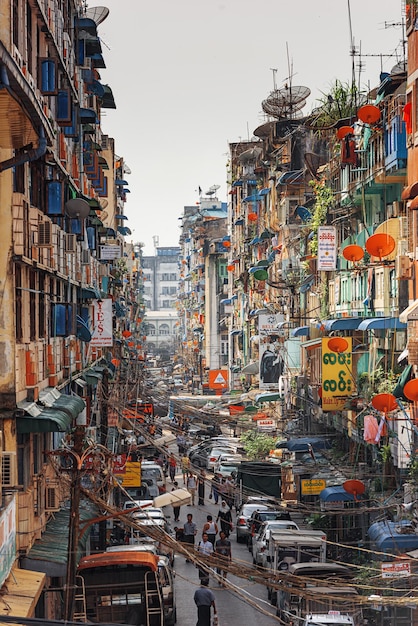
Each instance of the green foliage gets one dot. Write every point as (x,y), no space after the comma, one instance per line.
(339,103)
(324,199)
(257,445)
(379,381)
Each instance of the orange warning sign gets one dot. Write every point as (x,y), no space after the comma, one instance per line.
(218,379)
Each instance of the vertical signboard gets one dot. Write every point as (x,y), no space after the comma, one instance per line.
(327,248)
(103,324)
(337,378)
(271,364)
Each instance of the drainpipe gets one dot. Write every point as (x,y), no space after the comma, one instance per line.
(27,155)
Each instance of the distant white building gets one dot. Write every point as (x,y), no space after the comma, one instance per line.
(161,277)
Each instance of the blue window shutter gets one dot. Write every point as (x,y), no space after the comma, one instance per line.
(48,76)
(91,237)
(63,320)
(64,109)
(55,203)
(75,226)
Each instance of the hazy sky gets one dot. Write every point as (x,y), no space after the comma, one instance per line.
(189,76)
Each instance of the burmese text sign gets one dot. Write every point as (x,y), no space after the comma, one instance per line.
(337,378)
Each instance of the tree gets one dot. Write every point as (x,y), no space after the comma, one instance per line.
(257,445)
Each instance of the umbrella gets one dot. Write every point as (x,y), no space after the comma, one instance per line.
(178,497)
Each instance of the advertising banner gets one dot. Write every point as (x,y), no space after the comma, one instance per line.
(337,378)
(327,248)
(102,323)
(271,364)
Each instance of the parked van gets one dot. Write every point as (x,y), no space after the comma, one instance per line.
(155,471)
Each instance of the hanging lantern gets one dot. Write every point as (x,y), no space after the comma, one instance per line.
(344,131)
(380,245)
(226,243)
(126,333)
(353,253)
(338,344)
(131,344)
(138,320)
(369,114)
(115,362)
(230,268)
(252,217)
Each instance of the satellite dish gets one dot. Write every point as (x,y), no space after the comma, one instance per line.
(353,253)
(77,208)
(282,103)
(97,14)
(399,68)
(355,487)
(384,402)
(411,390)
(338,344)
(380,245)
(212,190)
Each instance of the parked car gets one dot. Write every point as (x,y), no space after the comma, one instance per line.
(257,518)
(260,541)
(244,513)
(199,456)
(215,454)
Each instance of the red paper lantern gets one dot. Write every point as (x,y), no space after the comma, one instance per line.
(126,333)
(252,217)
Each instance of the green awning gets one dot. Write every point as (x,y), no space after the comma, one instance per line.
(72,405)
(49,554)
(90,293)
(49,420)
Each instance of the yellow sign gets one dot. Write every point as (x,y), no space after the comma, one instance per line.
(312,487)
(337,378)
(132,475)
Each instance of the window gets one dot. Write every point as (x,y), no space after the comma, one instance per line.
(19,304)
(23,459)
(166,304)
(16,22)
(151,330)
(164,329)
(32,304)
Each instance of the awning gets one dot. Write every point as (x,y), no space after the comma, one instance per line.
(300,331)
(304,444)
(264,192)
(410,313)
(178,497)
(90,293)
(88,116)
(53,399)
(336,494)
(251,368)
(267,396)
(409,192)
(119,216)
(49,553)
(235,332)
(107,101)
(46,421)
(21,592)
(343,323)
(381,323)
(252,198)
(120,182)
(124,230)
(291,177)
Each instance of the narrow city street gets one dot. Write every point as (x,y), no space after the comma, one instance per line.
(231,609)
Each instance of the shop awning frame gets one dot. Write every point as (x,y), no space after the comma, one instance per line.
(342,323)
(382,323)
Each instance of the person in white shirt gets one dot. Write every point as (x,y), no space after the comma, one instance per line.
(205,549)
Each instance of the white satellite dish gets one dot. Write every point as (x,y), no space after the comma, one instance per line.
(212,190)
(97,14)
(77,208)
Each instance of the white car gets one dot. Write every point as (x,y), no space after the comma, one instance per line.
(260,541)
(215,454)
(227,459)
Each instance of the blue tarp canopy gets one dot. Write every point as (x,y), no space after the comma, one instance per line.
(300,331)
(343,323)
(386,537)
(303,444)
(336,494)
(381,323)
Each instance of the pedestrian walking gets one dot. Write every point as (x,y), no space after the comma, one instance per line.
(205,549)
(185,466)
(225,517)
(201,488)
(215,488)
(189,531)
(191,486)
(204,600)
(172,465)
(211,528)
(223,550)
(176,509)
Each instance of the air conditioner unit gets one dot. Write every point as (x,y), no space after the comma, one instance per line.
(45,234)
(8,470)
(70,243)
(403,267)
(403,228)
(85,257)
(52,500)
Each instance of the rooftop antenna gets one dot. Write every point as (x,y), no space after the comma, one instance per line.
(156,241)
(274,71)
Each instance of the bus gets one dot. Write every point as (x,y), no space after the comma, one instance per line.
(121,587)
